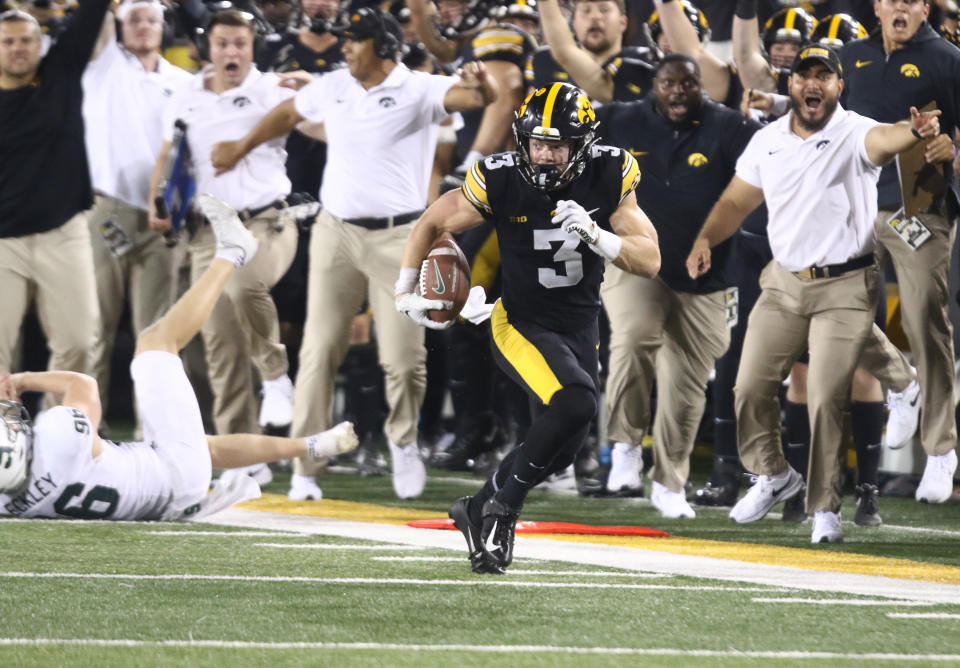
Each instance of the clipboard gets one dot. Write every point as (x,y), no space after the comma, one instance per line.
(921,183)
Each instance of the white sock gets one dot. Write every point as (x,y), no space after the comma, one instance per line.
(322,445)
(233,254)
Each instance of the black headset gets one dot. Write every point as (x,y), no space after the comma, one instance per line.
(385,42)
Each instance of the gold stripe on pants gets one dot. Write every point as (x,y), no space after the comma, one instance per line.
(833,317)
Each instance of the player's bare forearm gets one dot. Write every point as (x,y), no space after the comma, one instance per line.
(754,70)
(450,213)
(498,116)
(421,18)
(582,68)
(77,389)
(683,39)
(640,248)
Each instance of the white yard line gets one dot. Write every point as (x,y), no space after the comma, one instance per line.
(922,615)
(322,546)
(609,556)
(840,601)
(229,534)
(486,649)
(486,581)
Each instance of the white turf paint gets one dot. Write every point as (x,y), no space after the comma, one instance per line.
(320,546)
(922,615)
(608,556)
(486,649)
(840,601)
(229,534)
(493,582)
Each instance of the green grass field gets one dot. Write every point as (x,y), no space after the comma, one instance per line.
(146,594)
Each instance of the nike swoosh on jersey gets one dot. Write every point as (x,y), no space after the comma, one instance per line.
(862,63)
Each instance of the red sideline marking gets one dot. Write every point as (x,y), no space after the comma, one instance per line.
(556,527)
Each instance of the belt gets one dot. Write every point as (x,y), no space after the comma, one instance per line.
(383,223)
(834,270)
(250,214)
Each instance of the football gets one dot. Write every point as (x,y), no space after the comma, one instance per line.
(445,274)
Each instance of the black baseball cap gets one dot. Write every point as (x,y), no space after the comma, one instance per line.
(820,54)
(368,23)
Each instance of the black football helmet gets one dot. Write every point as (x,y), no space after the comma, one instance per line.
(788,25)
(696,17)
(476,15)
(526,9)
(836,30)
(560,112)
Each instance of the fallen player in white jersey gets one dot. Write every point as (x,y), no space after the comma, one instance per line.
(61,468)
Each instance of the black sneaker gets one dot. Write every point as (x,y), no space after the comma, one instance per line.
(482,435)
(499,526)
(868,511)
(795,508)
(722,494)
(479,561)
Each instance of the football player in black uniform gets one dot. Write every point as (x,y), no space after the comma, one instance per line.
(562,207)
(624,73)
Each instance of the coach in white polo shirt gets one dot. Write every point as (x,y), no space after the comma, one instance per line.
(817,169)
(224,101)
(126,86)
(381,124)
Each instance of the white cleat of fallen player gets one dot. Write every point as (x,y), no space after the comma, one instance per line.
(235,243)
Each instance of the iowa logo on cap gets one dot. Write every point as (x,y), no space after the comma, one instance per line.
(814,51)
(697,160)
(910,71)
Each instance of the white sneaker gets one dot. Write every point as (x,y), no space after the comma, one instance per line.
(904,410)
(826,527)
(936,486)
(259,472)
(765,493)
(304,488)
(276,409)
(409,473)
(563,482)
(626,465)
(671,505)
(234,240)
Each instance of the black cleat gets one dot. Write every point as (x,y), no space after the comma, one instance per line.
(482,435)
(717,494)
(868,510)
(499,527)
(479,561)
(795,508)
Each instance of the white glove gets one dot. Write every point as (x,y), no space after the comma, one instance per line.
(414,306)
(299,212)
(574,219)
(476,309)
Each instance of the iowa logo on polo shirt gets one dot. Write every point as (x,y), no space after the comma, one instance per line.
(697,160)
(910,71)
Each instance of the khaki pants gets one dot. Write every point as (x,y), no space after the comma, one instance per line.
(55,268)
(243,326)
(834,318)
(349,263)
(145,274)
(676,335)
(922,275)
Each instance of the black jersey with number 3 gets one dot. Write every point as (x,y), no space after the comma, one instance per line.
(550,278)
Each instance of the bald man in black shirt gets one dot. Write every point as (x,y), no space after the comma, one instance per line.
(45,186)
